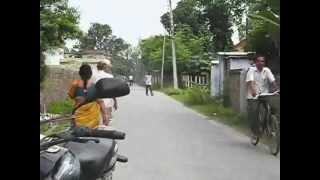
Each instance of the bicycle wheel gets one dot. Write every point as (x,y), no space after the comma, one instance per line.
(274,135)
(262,115)
(260,121)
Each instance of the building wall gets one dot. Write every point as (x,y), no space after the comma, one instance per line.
(57,85)
(93,56)
(237,90)
(233,89)
(239,63)
(215,80)
(53,57)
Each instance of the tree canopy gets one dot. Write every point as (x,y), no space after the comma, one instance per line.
(264,30)
(190,54)
(205,27)
(100,37)
(58,22)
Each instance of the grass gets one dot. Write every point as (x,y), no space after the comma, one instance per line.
(56,128)
(199,100)
(59,107)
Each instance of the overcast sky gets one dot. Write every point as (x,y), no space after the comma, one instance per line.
(129,19)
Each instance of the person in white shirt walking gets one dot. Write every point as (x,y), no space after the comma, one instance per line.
(148,83)
(104,71)
(258,79)
(131,80)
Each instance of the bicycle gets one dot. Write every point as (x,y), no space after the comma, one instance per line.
(269,121)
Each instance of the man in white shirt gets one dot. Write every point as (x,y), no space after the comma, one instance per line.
(148,83)
(258,79)
(104,71)
(131,80)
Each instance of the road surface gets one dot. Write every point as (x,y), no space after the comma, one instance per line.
(167,141)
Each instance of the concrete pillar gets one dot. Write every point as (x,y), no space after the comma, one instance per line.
(215,79)
(243,91)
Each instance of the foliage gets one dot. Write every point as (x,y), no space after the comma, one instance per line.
(260,41)
(185,13)
(211,18)
(172,91)
(190,54)
(202,27)
(264,35)
(60,107)
(197,95)
(99,37)
(45,129)
(58,22)
(191,96)
(209,107)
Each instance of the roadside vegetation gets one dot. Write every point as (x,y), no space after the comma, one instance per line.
(199,99)
(61,108)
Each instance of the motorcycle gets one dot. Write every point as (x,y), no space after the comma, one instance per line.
(83,153)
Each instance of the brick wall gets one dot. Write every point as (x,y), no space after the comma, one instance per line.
(233,90)
(56,85)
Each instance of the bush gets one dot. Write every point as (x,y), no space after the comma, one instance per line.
(197,95)
(156,87)
(60,107)
(171,91)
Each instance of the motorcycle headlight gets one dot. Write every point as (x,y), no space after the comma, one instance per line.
(68,168)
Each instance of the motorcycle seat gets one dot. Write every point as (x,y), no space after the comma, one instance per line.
(93,157)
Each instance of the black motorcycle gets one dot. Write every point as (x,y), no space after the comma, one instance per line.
(83,153)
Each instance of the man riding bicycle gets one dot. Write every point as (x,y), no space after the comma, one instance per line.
(258,79)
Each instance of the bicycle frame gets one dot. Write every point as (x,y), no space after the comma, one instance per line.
(267,116)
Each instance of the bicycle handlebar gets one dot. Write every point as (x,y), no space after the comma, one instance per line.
(268,94)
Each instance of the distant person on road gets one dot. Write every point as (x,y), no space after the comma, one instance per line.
(258,79)
(89,114)
(104,71)
(148,83)
(130,80)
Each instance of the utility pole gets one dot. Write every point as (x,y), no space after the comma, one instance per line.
(174,65)
(163,53)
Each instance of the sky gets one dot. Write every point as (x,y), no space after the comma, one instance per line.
(129,19)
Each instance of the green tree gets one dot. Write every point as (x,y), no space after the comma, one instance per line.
(100,37)
(186,13)
(97,37)
(264,32)
(208,19)
(218,16)
(189,52)
(58,22)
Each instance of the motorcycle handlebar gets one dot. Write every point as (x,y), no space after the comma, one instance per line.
(86,132)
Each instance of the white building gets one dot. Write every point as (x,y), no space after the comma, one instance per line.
(54,56)
(226,61)
(228,78)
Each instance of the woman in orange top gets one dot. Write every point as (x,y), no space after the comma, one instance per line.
(89,114)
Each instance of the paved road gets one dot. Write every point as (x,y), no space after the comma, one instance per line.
(167,141)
